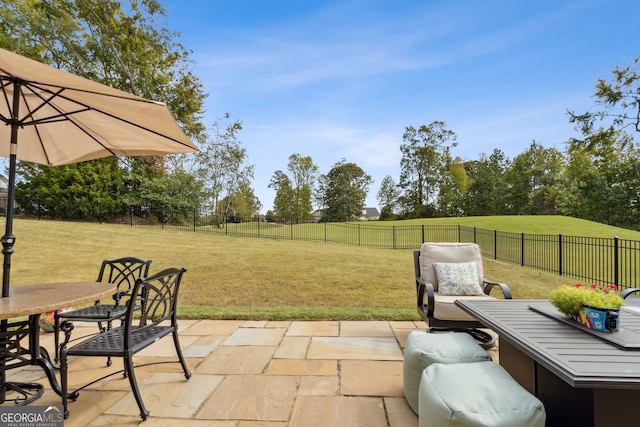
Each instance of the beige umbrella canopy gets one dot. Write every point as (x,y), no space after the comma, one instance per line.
(55,118)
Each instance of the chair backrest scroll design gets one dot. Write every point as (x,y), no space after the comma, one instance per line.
(157,297)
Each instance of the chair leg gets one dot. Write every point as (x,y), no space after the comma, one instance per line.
(176,341)
(128,364)
(63,382)
(108,327)
(56,337)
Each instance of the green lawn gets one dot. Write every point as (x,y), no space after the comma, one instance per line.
(252,278)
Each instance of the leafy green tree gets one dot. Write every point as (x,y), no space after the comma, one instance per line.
(619,108)
(87,190)
(243,204)
(486,187)
(304,174)
(174,197)
(342,192)
(531,179)
(601,182)
(294,191)
(453,189)
(119,43)
(425,159)
(388,195)
(221,165)
(284,202)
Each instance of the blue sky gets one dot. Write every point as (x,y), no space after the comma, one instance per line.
(343,79)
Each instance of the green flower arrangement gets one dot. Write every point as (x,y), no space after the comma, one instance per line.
(569,299)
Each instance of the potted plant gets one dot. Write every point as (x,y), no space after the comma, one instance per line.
(596,307)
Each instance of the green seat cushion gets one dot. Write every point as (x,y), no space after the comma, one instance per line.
(476,394)
(423,349)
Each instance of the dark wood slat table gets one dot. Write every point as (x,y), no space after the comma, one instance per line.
(581,378)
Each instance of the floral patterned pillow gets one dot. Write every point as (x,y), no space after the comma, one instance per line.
(458,278)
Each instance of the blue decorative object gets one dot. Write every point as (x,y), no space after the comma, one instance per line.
(599,319)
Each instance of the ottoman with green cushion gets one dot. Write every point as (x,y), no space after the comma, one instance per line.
(423,349)
(475,394)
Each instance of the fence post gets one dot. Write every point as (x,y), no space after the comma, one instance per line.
(495,244)
(393,236)
(358,234)
(560,255)
(475,238)
(459,233)
(616,243)
(422,232)
(522,249)
(194,220)
(131,215)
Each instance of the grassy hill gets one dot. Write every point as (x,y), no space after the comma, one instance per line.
(530,224)
(261,278)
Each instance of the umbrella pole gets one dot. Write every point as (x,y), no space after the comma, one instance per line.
(9,239)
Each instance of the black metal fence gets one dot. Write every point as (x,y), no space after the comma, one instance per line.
(587,259)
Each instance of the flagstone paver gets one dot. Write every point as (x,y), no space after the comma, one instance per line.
(251,397)
(371,378)
(354,348)
(338,411)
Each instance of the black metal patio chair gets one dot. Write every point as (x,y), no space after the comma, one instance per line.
(157,298)
(123,272)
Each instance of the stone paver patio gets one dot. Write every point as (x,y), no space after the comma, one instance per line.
(251,374)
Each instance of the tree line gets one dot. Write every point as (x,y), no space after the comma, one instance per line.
(127,45)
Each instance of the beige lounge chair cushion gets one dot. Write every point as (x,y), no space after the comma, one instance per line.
(444,306)
(448,253)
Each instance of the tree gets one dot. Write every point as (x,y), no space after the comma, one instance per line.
(619,100)
(453,189)
(118,43)
(221,166)
(304,174)
(531,179)
(284,202)
(425,158)
(242,205)
(388,195)
(86,190)
(601,182)
(342,192)
(293,193)
(174,197)
(487,190)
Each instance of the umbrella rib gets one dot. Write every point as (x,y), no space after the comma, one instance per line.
(46,101)
(6,100)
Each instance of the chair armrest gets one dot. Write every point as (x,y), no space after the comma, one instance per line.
(627,292)
(421,287)
(489,285)
(118,296)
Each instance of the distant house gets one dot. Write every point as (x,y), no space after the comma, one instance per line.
(370,214)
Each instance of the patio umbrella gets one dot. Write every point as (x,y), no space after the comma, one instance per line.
(54,118)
